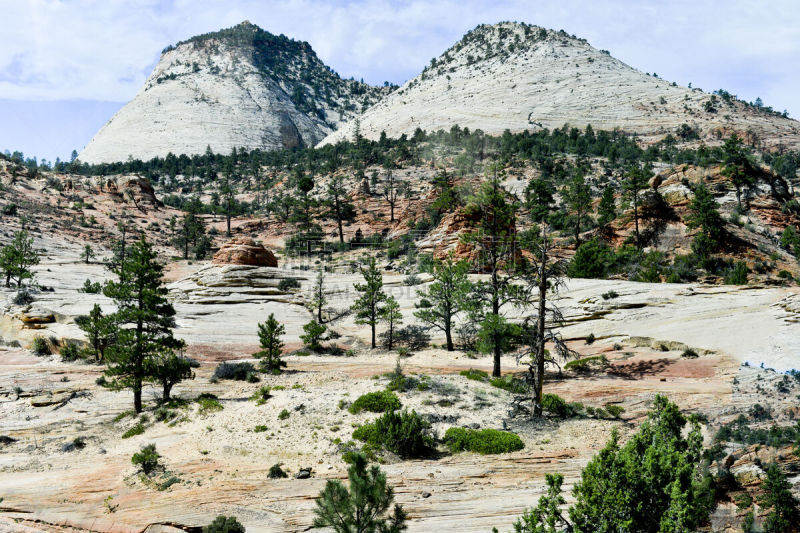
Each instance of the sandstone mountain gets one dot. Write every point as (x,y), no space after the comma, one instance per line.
(238,87)
(522,77)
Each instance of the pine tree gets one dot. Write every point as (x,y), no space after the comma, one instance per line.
(87,254)
(318,298)
(392,316)
(339,206)
(363,508)
(703,214)
(495,241)
(314,332)
(98,330)
(578,197)
(778,498)
(539,198)
(606,209)
(227,190)
(545,277)
(652,484)
(17,258)
(302,215)
(637,181)
(368,306)
(546,517)
(269,336)
(143,321)
(391,193)
(736,165)
(168,369)
(447,295)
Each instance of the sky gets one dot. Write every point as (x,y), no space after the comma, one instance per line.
(66,66)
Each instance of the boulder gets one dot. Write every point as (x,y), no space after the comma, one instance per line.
(141,193)
(244,251)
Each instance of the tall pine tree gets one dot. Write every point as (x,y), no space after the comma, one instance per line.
(143,321)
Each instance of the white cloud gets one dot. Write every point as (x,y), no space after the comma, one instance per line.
(104,49)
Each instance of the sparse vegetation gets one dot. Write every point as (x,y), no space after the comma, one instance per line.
(146,459)
(276,472)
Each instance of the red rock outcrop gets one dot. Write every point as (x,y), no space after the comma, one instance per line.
(244,251)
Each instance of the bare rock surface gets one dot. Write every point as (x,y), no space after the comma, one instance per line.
(518,77)
(236,88)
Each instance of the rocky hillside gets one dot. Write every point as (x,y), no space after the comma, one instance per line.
(239,87)
(517,76)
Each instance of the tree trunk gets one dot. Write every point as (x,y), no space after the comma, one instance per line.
(228,219)
(496,311)
(537,408)
(636,221)
(167,390)
(391,211)
(373,335)
(448,335)
(137,395)
(390,336)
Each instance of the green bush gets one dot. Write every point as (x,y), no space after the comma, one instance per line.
(689,353)
(284,414)
(146,459)
(585,364)
(288,283)
(376,402)
(224,524)
(39,346)
(614,411)
(138,429)
(737,275)
(235,371)
(314,333)
(261,428)
(261,395)
(592,259)
(70,352)
(91,288)
(276,472)
(208,403)
(402,432)
(509,383)
(654,482)
(557,406)
(483,441)
(475,374)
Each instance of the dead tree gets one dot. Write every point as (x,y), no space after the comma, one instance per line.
(546,277)
(391,192)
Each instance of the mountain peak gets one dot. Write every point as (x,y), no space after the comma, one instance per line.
(239,87)
(515,76)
